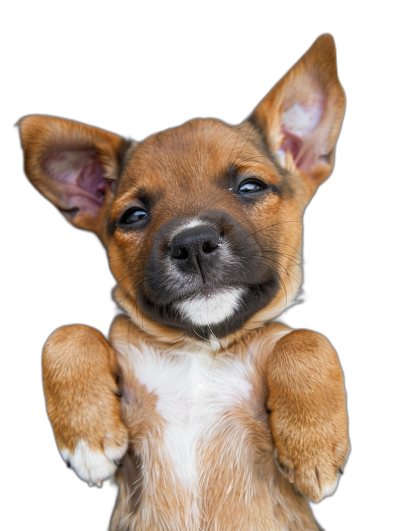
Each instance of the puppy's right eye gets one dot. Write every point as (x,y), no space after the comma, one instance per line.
(131,216)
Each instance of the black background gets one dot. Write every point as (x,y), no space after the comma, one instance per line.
(130,75)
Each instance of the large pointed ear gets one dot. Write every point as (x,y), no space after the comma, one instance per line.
(72,164)
(302,115)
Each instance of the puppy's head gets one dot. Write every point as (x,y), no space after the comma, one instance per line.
(203,222)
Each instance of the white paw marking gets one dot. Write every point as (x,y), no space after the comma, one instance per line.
(203,310)
(93,466)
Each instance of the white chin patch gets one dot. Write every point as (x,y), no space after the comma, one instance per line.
(203,310)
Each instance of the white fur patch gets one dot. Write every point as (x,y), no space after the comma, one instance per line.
(195,391)
(301,119)
(188,224)
(327,490)
(203,310)
(281,156)
(193,223)
(90,465)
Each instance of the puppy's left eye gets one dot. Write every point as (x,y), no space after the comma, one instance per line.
(132,215)
(251,186)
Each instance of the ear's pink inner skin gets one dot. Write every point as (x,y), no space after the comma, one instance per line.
(301,129)
(80,178)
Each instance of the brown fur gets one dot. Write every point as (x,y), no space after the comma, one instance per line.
(79,360)
(289,440)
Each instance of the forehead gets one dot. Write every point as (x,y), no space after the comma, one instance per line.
(185,155)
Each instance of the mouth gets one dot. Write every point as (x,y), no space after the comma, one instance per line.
(216,311)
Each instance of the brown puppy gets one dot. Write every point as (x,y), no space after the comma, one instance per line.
(219,418)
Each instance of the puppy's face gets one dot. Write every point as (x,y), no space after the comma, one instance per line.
(205,228)
(202,222)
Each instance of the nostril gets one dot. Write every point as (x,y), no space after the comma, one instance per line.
(208,247)
(180,253)
(194,244)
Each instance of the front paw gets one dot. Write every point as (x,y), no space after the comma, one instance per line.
(94,465)
(96,439)
(83,402)
(308,416)
(315,472)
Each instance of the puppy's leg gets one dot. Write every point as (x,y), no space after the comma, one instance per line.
(308,416)
(82,399)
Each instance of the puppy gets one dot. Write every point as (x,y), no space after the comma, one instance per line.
(209,415)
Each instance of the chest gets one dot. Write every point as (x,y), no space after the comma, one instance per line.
(191,385)
(188,385)
(183,403)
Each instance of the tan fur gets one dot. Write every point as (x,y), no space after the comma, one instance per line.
(282,437)
(306,390)
(79,369)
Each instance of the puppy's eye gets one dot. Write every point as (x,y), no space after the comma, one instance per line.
(251,186)
(132,215)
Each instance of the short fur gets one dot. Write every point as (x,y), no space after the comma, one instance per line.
(210,415)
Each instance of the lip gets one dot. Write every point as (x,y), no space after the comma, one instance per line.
(206,292)
(210,292)
(252,298)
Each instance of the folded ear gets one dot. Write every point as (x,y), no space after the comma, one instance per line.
(71,164)
(303,113)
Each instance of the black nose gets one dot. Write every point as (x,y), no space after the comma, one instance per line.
(193,249)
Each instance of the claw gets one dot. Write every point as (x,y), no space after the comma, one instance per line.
(99,483)
(118,463)
(68,464)
(117,393)
(287,469)
(340,471)
(90,484)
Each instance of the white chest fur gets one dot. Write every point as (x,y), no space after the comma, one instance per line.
(196,393)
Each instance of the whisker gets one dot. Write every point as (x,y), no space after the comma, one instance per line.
(245,144)
(127,257)
(234,145)
(198,335)
(287,245)
(280,254)
(254,158)
(274,225)
(130,274)
(283,267)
